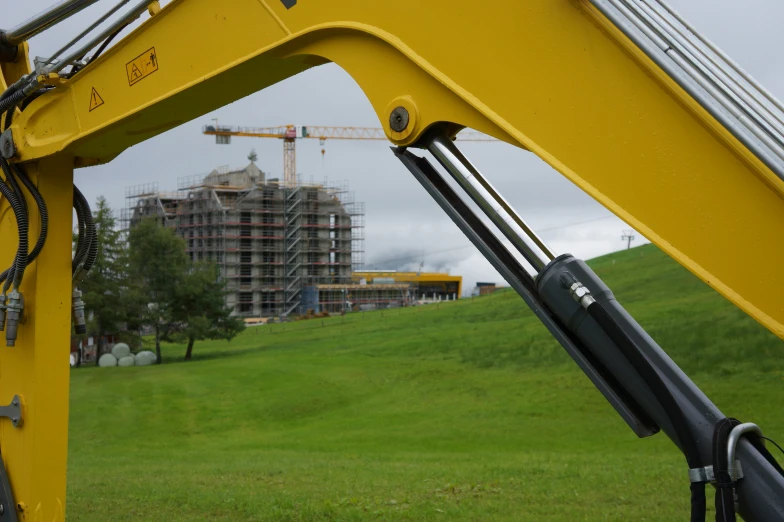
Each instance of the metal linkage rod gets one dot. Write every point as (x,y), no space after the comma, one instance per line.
(490,201)
(622,14)
(720,69)
(42,21)
(721,54)
(706,75)
(92,26)
(77,54)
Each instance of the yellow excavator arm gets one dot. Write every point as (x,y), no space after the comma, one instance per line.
(555,77)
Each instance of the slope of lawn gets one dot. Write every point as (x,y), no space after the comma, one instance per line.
(462,411)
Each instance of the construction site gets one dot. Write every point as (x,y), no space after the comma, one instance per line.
(283,248)
(270,239)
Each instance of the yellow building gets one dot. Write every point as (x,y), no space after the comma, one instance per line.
(431,284)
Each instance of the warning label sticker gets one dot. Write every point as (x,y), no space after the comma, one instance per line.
(95,100)
(142,66)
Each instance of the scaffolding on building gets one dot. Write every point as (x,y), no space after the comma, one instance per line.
(269,240)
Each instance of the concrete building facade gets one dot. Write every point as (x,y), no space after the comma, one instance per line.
(270,241)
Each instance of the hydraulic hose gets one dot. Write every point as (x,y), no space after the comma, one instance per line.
(92,250)
(12,101)
(21,219)
(22,255)
(87,245)
(10,91)
(86,254)
(42,211)
(12,304)
(654,381)
(83,241)
(9,116)
(44,216)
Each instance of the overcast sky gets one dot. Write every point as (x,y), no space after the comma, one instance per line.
(403,225)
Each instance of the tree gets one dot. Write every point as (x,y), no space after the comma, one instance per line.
(104,285)
(200,310)
(180,299)
(252,157)
(156,264)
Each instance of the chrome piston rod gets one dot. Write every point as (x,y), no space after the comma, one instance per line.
(491,202)
(42,21)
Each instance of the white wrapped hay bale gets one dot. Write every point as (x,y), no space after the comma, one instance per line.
(145,358)
(106,360)
(128,360)
(121,350)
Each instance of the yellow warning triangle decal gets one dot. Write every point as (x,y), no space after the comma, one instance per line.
(95,100)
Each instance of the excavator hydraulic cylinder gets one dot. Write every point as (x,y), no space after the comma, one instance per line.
(762,487)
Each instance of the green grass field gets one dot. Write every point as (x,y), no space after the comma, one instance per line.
(465,411)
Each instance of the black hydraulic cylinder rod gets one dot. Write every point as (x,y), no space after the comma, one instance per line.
(761,491)
(654,382)
(519,279)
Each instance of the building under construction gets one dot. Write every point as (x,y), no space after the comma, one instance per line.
(269,240)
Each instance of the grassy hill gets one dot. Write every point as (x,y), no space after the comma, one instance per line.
(462,411)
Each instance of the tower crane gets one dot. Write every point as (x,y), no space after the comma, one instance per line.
(291,133)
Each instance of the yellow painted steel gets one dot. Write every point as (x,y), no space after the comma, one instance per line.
(37,367)
(550,76)
(412,277)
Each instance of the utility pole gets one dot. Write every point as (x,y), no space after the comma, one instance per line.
(628,236)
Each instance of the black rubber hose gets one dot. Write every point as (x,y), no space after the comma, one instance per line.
(81,238)
(668,403)
(90,245)
(92,251)
(699,504)
(106,43)
(43,212)
(725,486)
(23,226)
(9,117)
(30,99)
(20,263)
(13,89)
(82,244)
(10,178)
(44,215)
(21,220)
(12,101)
